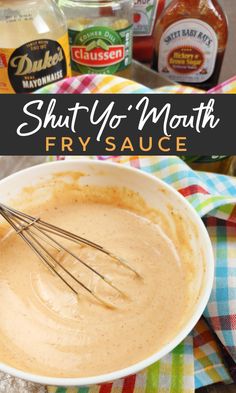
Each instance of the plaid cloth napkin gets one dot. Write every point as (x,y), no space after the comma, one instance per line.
(227,87)
(197,361)
(94,84)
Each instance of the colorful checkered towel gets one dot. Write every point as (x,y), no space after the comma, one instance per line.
(227,87)
(198,360)
(94,84)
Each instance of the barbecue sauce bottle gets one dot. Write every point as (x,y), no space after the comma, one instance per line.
(190,42)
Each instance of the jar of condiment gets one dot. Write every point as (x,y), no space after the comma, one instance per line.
(217,164)
(146,13)
(34,46)
(101,35)
(190,42)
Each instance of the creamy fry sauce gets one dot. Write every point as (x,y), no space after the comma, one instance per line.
(45,329)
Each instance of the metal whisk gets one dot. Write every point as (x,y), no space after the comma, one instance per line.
(36,233)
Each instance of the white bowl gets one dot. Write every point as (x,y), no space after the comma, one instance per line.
(158,195)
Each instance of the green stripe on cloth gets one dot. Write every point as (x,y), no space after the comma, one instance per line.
(83,390)
(177,370)
(211,203)
(211,369)
(61,390)
(152,382)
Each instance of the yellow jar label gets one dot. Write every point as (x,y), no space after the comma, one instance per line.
(34,65)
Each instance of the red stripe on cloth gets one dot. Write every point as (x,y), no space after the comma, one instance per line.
(210,221)
(202,339)
(217,222)
(135,162)
(85,82)
(129,384)
(233,215)
(225,322)
(231,228)
(106,388)
(193,189)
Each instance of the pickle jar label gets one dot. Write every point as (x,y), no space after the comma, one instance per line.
(33,65)
(100,50)
(188,51)
(144,16)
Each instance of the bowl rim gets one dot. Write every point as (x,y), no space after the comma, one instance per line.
(186,329)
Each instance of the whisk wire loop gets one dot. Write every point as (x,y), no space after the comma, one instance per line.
(32,229)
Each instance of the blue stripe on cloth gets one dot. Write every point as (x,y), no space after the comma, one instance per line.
(219,183)
(202,379)
(222,294)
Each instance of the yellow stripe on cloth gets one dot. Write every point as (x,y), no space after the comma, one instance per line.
(106,80)
(121,86)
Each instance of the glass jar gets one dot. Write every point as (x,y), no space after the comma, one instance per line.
(100,34)
(217,164)
(34,45)
(190,42)
(146,13)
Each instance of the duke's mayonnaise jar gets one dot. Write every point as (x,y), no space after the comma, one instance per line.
(34,46)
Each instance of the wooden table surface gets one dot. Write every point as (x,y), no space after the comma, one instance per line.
(229,65)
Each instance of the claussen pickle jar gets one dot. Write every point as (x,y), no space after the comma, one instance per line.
(100,34)
(34,45)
